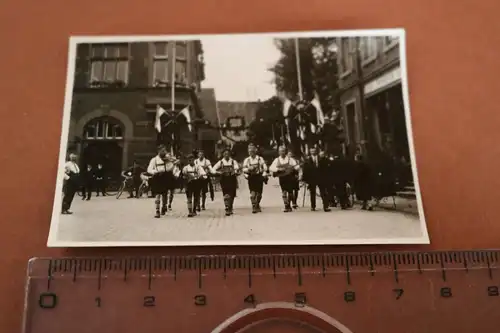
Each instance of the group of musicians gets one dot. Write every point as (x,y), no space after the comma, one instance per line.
(326,174)
(315,170)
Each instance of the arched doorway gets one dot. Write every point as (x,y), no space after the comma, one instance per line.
(103,143)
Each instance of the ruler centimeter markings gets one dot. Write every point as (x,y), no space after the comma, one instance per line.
(211,289)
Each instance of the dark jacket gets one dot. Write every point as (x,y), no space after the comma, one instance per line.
(313,174)
(342,171)
(99,174)
(88,176)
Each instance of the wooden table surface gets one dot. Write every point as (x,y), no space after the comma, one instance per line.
(453,64)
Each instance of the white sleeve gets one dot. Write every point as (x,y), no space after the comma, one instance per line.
(245,164)
(274,166)
(152,166)
(236,165)
(216,166)
(202,171)
(263,164)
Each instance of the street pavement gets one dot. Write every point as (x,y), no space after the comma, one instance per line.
(131,221)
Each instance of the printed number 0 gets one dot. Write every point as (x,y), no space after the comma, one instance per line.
(47,300)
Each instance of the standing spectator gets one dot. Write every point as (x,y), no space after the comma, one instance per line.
(72,179)
(100,180)
(88,182)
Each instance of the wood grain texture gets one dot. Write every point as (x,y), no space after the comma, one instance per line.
(453,67)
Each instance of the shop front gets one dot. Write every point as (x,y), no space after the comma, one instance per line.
(385,123)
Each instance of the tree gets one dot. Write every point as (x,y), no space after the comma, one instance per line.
(318,69)
(267,123)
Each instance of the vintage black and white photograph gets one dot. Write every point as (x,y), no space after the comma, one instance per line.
(238,139)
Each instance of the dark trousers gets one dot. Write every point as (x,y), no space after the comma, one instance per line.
(287,184)
(100,187)
(341,192)
(322,192)
(205,185)
(87,190)
(193,194)
(256,187)
(134,187)
(228,185)
(69,193)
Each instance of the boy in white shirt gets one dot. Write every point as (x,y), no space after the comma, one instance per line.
(193,175)
(205,183)
(228,169)
(285,168)
(255,170)
(165,174)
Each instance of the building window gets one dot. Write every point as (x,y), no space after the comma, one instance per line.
(181,50)
(390,42)
(102,129)
(160,62)
(346,63)
(180,71)
(368,49)
(109,64)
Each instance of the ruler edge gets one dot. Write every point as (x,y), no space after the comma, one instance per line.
(488,254)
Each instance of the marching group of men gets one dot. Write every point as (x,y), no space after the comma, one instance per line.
(328,175)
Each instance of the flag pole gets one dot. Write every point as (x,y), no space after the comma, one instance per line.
(299,83)
(172,99)
(299,74)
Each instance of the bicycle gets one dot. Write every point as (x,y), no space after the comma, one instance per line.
(144,188)
(124,185)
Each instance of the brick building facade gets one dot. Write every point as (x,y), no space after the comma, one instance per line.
(371,97)
(117,88)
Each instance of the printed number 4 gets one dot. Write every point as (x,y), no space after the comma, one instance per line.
(399,293)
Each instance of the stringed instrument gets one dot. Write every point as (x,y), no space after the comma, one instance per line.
(192,175)
(284,169)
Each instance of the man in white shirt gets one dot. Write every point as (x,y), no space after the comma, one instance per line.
(255,170)
(205,183)
(72,183)
(227,169)
(165,173)
(194,175)
(285,168)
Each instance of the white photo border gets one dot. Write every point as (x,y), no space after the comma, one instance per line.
(70,76)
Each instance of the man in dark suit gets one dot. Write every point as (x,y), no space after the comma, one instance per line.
(88,182)
(314,174)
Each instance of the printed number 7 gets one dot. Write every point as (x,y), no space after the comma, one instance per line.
(399,293)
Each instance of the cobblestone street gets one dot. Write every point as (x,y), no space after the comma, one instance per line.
(106,219)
